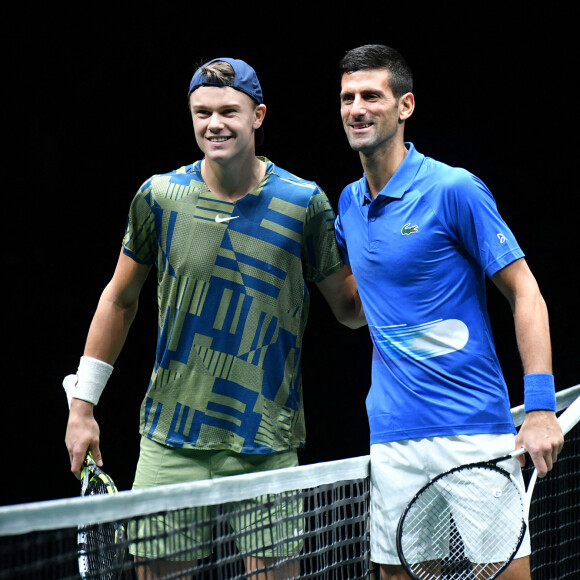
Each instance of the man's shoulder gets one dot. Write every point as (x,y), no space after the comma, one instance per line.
(443,170)
(440,178)
(351,191)
(182,176)
(288,178)
(185,172)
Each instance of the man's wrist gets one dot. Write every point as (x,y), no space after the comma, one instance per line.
(89,382)
(539,392)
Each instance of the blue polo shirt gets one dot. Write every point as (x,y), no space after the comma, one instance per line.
(420,252)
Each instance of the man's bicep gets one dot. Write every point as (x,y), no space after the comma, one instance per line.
(128,280)
(515,280)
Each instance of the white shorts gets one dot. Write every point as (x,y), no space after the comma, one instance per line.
(399,469)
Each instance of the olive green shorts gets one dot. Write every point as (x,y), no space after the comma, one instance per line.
(264,526)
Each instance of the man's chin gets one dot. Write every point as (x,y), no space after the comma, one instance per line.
(359,145)
(216,154)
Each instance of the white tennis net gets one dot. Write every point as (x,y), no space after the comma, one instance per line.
(311,519)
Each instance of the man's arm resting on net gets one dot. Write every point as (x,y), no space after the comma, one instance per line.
(540,432)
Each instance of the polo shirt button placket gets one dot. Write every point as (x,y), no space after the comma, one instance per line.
(372,241)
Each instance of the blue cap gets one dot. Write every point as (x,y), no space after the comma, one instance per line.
(245,79)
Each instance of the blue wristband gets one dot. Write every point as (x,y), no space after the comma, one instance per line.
(539,392)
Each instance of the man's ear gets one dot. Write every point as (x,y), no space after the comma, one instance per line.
(406,106)
(260,113)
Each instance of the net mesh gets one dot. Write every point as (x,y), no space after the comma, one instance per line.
(303,522)
(554,517)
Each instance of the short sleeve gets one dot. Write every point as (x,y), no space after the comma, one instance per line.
(140,241)
(477,224)
(321,256)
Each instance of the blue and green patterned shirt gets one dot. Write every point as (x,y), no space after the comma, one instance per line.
(233,304)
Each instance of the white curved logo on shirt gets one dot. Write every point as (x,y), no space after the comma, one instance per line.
(219,219)
(422,341)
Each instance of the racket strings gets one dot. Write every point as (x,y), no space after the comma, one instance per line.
(97,551)
(467,523)
(101,546)
(99,485)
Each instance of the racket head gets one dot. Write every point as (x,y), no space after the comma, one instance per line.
(94,481)
(101,546)
(470,518)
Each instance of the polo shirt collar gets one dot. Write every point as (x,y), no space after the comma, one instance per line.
(403,178)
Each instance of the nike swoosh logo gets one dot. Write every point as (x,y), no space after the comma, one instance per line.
(219,219)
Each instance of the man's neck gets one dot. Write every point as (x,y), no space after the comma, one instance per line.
(233,180)
(381,165)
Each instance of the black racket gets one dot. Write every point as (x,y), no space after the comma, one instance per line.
(469,522)
(101,547)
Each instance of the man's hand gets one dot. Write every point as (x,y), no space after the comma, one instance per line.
(541,435)
(82,434)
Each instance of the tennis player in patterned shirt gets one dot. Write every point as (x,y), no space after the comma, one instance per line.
(235,241)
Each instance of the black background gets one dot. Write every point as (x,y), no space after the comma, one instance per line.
(96,103)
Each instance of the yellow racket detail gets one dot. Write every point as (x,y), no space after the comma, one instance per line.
(101,547)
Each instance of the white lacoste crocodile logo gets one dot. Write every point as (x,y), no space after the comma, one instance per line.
(219,219)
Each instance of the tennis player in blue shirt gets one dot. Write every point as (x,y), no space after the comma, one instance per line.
(421,237)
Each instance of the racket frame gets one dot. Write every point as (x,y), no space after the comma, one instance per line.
(491,464)
(568,419)
(89,473)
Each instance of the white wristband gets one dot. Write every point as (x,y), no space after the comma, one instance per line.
(89,382)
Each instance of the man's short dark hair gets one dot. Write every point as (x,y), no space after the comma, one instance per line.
(377,56)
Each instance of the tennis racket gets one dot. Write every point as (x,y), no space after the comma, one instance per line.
(469,522)
(101,547)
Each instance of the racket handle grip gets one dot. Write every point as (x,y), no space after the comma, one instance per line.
(518,452)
